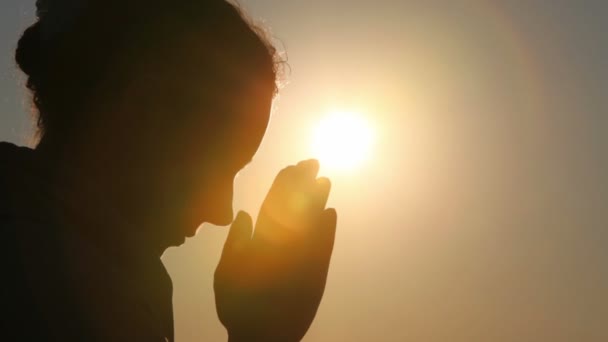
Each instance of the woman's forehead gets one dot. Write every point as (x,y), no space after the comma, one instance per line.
(246,133)
(233,136)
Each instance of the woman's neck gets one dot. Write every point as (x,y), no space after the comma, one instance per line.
(94,196)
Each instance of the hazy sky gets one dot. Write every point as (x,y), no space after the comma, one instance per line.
(482,214)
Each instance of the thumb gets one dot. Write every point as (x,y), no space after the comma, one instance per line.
(238,236)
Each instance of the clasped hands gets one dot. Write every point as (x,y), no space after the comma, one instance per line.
(270,280)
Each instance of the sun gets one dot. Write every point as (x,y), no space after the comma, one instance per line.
(342,140)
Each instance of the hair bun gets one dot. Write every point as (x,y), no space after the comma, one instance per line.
(29,51)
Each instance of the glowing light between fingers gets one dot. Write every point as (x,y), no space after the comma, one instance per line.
(342,140)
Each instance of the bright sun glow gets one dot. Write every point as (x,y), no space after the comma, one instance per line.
(342,140)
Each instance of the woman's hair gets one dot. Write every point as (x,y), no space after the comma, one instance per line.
(83,53)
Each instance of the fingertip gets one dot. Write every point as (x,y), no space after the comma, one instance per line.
(243,217)
(331,214)
(239,234)
(285,172)
(330,218)
(310,165)
(242,226)
(309,162)
(328,231)
(321,193)
(324,183)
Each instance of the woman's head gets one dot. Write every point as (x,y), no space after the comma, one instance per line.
(175,95)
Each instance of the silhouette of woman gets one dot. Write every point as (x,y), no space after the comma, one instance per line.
(146,111)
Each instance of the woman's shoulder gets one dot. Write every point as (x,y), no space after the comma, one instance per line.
(56,279)
(31,282)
